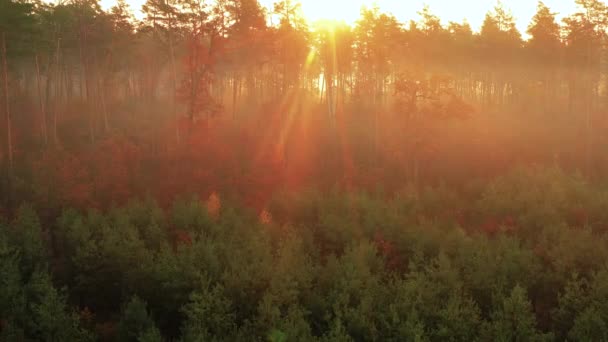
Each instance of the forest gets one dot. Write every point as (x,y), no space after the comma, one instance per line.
(221,170)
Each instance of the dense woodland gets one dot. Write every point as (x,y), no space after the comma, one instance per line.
(222,171)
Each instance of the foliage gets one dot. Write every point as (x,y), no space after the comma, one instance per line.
(363,188)
(343,266)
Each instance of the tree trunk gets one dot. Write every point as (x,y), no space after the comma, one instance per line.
(104,108)
(234,95)
(174,72)
(9,136)
(58,88)
(84,80)
(101,90)
(331,100)
(41,104)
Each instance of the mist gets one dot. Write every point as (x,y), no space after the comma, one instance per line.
(227,171)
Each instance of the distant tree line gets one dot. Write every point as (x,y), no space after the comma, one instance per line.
(202,54)
(73,77)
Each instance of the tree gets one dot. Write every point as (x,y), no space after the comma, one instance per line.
(136,324)
(545,51)
(163,16)
(585,32)
(376,35)
(209,316)
(582,313)
(544,31)
(514,320)
(52,321)
(202,52)
(246,45)
(30,306)
(292,42)
(290,13)
(419,107)
(26,232)
(335,48)
(434,41)
(16,23)
(500,44)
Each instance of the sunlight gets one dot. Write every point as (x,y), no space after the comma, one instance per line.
(347,11)
(448,10)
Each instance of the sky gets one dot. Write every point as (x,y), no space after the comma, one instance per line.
(448,10)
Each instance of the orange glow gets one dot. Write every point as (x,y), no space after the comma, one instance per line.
(347,11)
(448,10)
(473,11)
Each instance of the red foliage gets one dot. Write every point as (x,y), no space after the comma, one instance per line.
(491,227)
(74,181)
(578,217)
(182,238)
(87,318)
(106,331)
(387,250)
(214,205)
(116,166)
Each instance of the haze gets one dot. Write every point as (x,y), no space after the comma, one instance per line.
(472,10)
(318,173)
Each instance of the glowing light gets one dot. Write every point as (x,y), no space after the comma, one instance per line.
(348,11)
(473,11)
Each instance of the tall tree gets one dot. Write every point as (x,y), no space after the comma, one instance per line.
(585,36)
(500,50)
(292,42)
(377,43)
(163,16)
(335,48)
(16,26)
(545,52)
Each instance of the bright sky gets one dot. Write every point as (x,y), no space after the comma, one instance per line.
(448,10)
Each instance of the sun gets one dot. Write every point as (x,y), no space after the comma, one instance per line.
(347,11)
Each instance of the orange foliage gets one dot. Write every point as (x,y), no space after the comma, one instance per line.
(265,218)
(86,315)
(106,331)
(182,238)
(214,205)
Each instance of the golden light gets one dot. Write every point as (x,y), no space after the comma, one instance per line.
(473,11)
(347,11)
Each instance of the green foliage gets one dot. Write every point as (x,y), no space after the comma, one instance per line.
(514,320)
(582,313)
(31,308)
(209,316)
(136,324)
(18,25)
(50,321)
(346,267)
(26,232)
(277,336)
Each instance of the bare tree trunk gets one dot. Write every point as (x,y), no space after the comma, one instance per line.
(56,109)
(84,80)
(41,103)
(174,71)
(331,100)
(588,125)
(9,136)
(234,95)
(104,108)
(101,90)
(322,89)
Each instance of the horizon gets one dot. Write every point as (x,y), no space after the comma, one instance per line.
(472,11)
